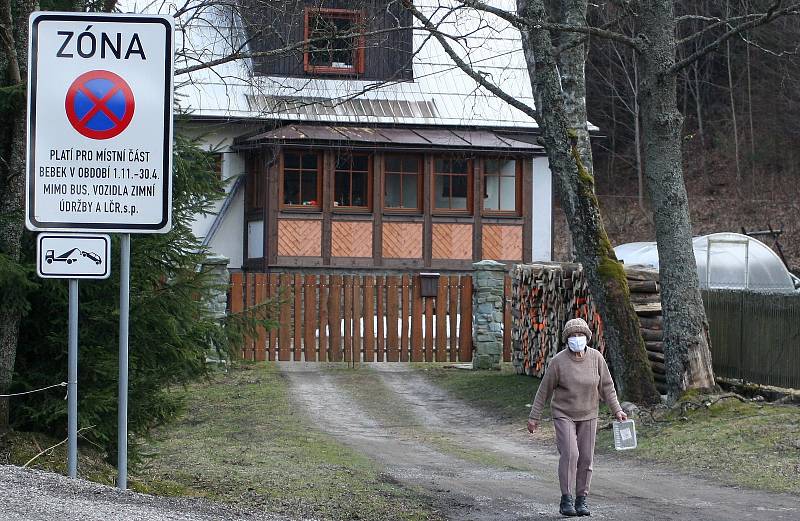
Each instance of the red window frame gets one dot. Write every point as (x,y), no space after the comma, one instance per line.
(358,53)
(349,172)
(313,207)
(418,173)
(469,179)
(517,211)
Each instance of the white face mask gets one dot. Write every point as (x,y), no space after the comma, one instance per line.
(576,343)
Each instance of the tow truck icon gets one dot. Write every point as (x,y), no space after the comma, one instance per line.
(71,256)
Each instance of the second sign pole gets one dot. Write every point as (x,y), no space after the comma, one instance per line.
(124,313)
(72,381)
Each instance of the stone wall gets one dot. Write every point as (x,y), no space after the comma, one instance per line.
(487,308)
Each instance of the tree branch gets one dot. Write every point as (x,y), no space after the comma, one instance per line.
(522,22)
(772,14)
(472,73)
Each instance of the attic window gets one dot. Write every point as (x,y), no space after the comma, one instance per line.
(336,41)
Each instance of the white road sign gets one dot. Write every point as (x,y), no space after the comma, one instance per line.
(99,122)
(72,256)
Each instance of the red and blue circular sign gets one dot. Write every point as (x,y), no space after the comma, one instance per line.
(99,104)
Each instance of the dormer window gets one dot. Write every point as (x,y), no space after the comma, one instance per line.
(336,41)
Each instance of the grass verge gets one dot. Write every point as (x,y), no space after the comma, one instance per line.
(242,440)
(748,444)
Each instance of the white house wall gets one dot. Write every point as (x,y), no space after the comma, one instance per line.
(218,137)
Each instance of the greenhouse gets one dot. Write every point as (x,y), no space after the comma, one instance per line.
(724,261)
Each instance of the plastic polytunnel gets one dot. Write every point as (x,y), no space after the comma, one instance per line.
(724,261)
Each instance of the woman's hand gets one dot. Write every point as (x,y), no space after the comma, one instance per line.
(621,416)
(532,426)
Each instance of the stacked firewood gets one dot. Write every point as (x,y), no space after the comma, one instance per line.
(646,300)
(545,296)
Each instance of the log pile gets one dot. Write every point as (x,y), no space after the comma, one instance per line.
(646,300)
(545,296)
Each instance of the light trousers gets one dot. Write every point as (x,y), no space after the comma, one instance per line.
(575,441)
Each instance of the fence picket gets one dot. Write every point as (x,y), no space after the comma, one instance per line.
(416,321)
(335,318)
(369,318)
(324,347)
(237,297)
(381,344)
(272,293)
(453,314)
(297,317)
(348,318)
(405,310)
(284,333)
(428,329)
(250,344)
(392,342)
(441,320)
(358,331)
(310,318)
(261,297)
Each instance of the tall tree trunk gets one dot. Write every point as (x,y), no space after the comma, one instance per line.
(733,108)
(575,186)
(572,69)
(14,22)
(686,340)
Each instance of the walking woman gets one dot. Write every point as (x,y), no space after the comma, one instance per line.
(576,379)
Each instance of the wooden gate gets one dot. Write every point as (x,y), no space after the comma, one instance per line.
(335,318)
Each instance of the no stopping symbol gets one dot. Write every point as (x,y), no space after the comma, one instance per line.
(99,104)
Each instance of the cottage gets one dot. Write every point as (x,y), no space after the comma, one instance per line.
(365,147)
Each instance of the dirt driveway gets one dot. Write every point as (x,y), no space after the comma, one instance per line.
(482,470)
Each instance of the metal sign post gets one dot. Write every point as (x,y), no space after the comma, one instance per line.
(124,312)
(73,257)
(99,154)
(72,382)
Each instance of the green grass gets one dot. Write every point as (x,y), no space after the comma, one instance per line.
(22,447)
(241,440)
(503,393)
(748,444)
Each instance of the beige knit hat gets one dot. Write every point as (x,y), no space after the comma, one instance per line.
(576,325)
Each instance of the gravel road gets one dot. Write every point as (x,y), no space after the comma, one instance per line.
(402,426)
(32,495)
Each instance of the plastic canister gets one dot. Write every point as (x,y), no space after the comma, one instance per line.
(624,435)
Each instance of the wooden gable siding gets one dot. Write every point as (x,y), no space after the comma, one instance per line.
(276,25)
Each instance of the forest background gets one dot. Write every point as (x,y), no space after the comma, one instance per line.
(741,106)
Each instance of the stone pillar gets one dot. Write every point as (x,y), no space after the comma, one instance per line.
(487,306)
(217,268)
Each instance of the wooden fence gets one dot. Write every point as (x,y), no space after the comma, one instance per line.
(755,336)
(359,317)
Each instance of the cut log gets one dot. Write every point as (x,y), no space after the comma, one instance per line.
(652,335)
(648,310)
(658,347)
(643,286)
(645,298)
(655,357)
(658,368)
(660,378)
(641,273)
(652,322)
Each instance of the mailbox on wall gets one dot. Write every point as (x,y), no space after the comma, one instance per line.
(429,284)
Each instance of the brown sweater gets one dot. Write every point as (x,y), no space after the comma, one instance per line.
(576,385)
